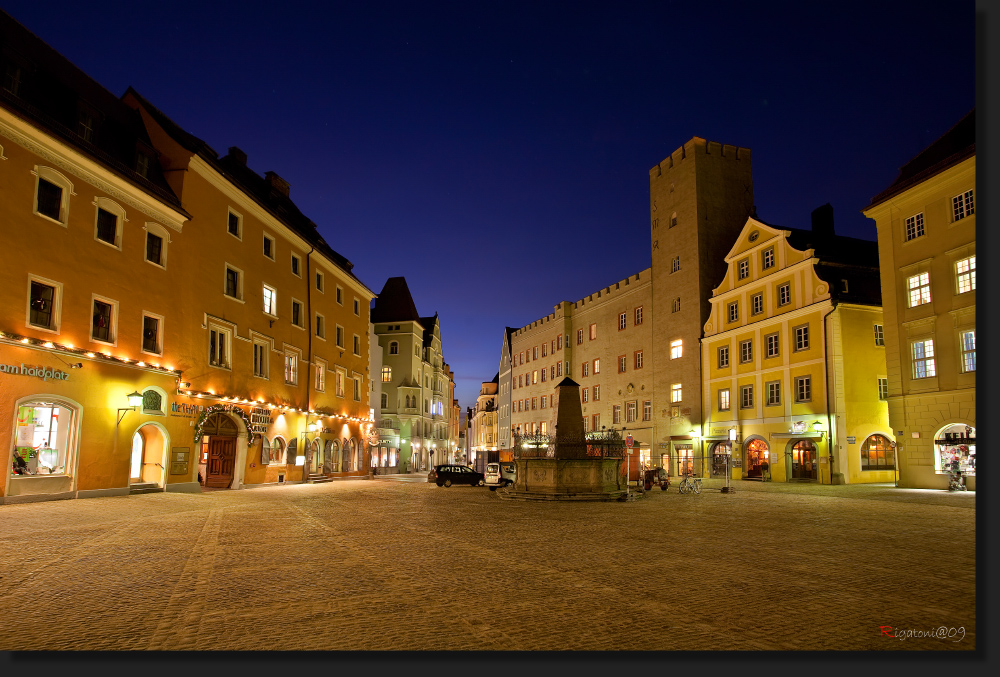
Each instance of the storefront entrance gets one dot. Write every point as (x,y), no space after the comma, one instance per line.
(219,450)
(955,450)
(147,462)
(804,460)
(720,458)
(756,459)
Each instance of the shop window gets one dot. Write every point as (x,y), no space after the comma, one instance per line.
(955,447)
(877,453)
(42,438)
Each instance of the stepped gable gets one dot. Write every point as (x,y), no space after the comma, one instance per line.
(395,303)
(955,145)
(52,93)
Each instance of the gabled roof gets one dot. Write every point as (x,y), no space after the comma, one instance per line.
(957,144)
(395,303)
(52,94)
(428,324)
(256,187)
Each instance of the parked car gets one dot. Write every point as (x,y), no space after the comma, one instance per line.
(508,471)
(446,475)
(493,477)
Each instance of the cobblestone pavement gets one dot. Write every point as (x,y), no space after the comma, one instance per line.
(376,565)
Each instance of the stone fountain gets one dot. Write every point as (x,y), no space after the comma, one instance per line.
(569,465)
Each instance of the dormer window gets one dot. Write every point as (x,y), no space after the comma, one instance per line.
(85,126)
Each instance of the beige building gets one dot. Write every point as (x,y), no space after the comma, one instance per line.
(483,437)
(926,223)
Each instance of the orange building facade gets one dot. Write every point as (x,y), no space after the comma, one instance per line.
(143,263)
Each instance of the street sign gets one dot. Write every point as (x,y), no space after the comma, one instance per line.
(628,441)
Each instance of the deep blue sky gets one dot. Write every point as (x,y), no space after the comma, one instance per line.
(497,155)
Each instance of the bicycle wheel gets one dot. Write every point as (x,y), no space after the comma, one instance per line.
(697,487)
(682,488)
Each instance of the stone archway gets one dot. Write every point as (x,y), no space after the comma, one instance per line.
(150,445)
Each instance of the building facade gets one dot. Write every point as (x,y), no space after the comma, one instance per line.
(780,403)
(168,273)
(417,391)
(483,423)
(926,223)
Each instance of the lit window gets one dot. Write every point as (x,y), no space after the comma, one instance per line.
(734,311)
(593,331)
(966,272)
(291,368)
(622,321)
(767,258)
(802,337)
(260,361)
(743,269)
(803,388)
(879,336)
(386,374)
(914,226)
(270,301)
(757,304)
(534,376)
(723,357)
(676,349)
(675,392)
(784,294)
(877,453)
(773,393)
(962,205)
(746,351)
(923,359)
(597,366)
(968,351)
(883,388)
(638,359)
(320,384)
(919,287)
(724,399)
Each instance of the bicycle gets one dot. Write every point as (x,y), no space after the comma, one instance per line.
(689,484)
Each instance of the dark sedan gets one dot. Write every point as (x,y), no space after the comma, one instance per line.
(446,475)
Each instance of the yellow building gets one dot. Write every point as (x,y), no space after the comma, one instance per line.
(780,398)
(926,223)
(142,263)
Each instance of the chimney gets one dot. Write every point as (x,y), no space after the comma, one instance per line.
(238,155)
(277,183)
(822,222)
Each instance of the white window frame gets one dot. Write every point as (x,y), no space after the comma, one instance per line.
(879,332)
(271,311)
(746,351)
(918,289)
(239,282)
(224,335)
(913,227)
(56,179)
(274,244)
(320,282)
(724,404)
(159,231)
(340,336)
(803,388)
(968,356)
(340,295)
(386,374)
(302,314)
(801,334)
(116,210)
(924,357)
(784,294)
(757,304)
(113,328)
(965,275)
(963,205)
(637,319)
(746,397)
(616,414)
(733,311)
(159,333)
(772,340)
(743,269)
(883,388)
(767,258)
(297,265)
(772,394)
(676,393)
(676,349)
(291,366)
(262,368)
(319,379)
(631,411)
(622,321)
(357,345)
(723,352)
(319,325)
(340,375)
(239,224)
(57,300)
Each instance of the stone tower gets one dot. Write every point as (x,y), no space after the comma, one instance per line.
(699,199)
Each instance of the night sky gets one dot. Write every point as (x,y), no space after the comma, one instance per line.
(497,154)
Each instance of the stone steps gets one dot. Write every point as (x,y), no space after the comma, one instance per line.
(144,488)
(316,478)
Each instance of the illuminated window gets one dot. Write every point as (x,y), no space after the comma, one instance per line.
(914,226)
(597,366)
(724,399)
(962,206)
(534,376)
(923,358)
(622,321)
(966,272)
(676,349)
(767,258)
(320,375)
(968,351)
(44,437)
(593,331)
(919,288)
(877,453)
(387,374)
(270,301)
(260,361)
(676,393)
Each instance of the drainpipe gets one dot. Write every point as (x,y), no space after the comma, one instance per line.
(309,323)
(827,374)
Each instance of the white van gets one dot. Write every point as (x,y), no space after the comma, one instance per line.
(493,477)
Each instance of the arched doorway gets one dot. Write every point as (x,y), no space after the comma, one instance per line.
(955,449)
(316,452)
(720,458)
(755,456)
(149,445)
(803,460)
(345,456)
(332,454)
(218,446)
(278,451)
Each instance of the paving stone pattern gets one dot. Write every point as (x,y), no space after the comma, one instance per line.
(393,565)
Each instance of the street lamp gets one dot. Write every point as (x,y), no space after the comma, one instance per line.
(134,400)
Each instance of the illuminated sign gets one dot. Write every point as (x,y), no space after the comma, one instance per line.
(39,372)
(260,419)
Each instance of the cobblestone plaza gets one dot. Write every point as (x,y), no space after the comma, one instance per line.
(392,564)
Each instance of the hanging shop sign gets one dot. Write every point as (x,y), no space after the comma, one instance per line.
(260,419)
(43,373)
(224,408)
(799,426)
